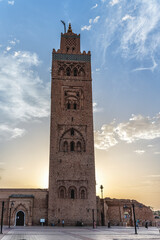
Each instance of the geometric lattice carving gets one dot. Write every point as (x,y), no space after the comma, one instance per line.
(71,57)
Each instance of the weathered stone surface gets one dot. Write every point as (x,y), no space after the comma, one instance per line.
(72,194)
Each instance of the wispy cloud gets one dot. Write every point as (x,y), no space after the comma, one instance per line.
(8,133)
(157,153)
(139,152)
(137,128)
(23,95)
(95,20)
(96,108)
(133,27)
(105,138)
(147,68)
(113,2)
(150,145)
(20,168)
(8,48)
(86,27)
(153,176)
(139,32)
(2,163)
(127,17)
(91,21)
(11,3)
(95,6)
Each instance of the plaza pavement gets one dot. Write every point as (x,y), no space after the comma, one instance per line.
(79,233)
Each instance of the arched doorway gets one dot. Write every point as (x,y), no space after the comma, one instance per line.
(20,218)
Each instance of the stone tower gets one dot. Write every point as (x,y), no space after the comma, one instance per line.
(72,195)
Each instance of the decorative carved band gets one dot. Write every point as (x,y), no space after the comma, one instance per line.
(71,57)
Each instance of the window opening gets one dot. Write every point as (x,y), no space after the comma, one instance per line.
(82,194)
(72,194)
(62,193)
(81,72)
(65,146)
(68,105)
(67,49)
(75,72)
(72,146)
(75,106)
(72,132)
(79,146)
(68,72)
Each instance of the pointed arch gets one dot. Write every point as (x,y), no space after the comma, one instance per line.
(75,140)
(81,72)
(79,146)
(62,192)
(83,193)
(61,71)
(72,146)
(72,192)
(65,146)
(68,71)
(75,72)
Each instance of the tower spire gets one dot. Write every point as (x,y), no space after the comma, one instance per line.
(69,28)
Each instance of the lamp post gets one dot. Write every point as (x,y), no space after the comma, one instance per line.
(93,217)
(134,218)
(101,187)
(12,204)
(2,217)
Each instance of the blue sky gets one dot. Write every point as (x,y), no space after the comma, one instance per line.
(124,39)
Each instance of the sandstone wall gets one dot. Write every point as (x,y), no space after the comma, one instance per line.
(33,202)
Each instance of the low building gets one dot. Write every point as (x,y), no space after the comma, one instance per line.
(119,212)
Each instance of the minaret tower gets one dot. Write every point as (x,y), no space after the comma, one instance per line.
(72,195)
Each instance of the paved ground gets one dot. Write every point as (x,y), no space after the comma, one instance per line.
(78,233)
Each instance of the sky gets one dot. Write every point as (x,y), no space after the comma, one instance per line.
(124,39)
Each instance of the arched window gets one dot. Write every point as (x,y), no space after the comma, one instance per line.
(79,147)
(72,146)
(67,49)
(73,49)
(83,194)
(62,193)
(72,194)
(65,146)
(68,71)
(72,131)
(75,72)
(61,71)
(68,105)
(82,73)
(75,106)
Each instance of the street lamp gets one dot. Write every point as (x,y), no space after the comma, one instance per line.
(101,187)
(93,217)
(134,218)
(12,204)
(102,215)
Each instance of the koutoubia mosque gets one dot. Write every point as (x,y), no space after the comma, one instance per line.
(71,195)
